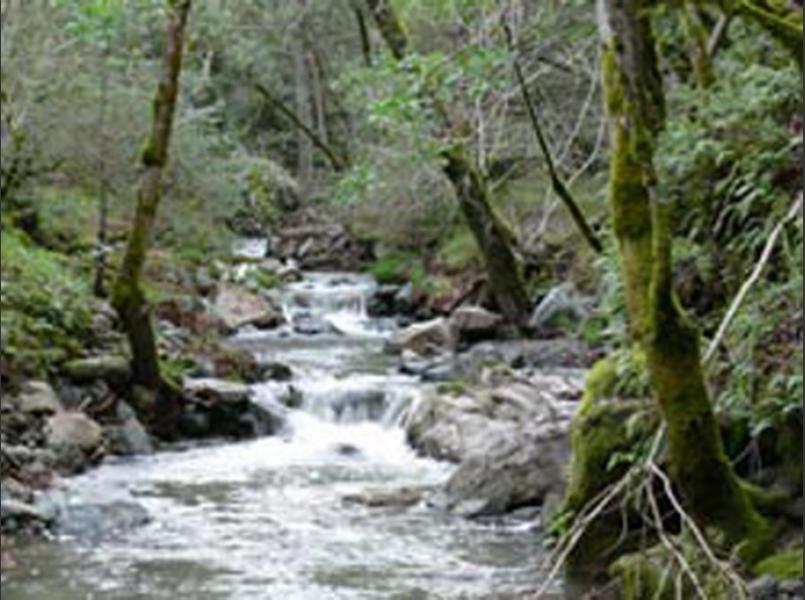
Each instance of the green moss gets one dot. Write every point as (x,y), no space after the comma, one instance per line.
(460,251)
(600,383)
(784,565)
(394,268)
(601,433)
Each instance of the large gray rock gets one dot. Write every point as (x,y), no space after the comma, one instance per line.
(511,442)
(475,322)
(436,336)
(562,305)
(238,307)
(111,368)
(38,398)
(73,429)
(520,467)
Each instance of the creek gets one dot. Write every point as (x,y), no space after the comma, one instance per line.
(269,518)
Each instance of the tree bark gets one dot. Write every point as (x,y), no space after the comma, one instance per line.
(635,104)
(128,297)
(494,238)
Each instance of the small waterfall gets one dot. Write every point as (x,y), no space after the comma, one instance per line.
(335,298)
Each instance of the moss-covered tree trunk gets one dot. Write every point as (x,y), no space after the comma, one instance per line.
(494,238)
(636,111)
(128,297)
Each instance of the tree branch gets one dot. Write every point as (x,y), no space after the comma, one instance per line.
(339,163)
(556,181)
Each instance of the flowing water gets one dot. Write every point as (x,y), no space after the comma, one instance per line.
(267,519)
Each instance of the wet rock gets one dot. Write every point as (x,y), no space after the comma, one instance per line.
(310,325)
(112,369)
(402,497)
(344,449)
(475,323)
(293,398)
(38,398)
(438,368)
(238,307)
(562,305)
(276,372)
(15,515)
(218,408)
(217,390)
(129,437)
(436,336)
(381,302)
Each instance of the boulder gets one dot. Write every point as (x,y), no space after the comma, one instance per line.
(436,336)
(74,429)
(238,307)
(562,305)
(515,468)
(112,369)
(475,322)
(38,398)
(511,442)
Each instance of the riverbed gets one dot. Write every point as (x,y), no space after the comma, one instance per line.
(272,518)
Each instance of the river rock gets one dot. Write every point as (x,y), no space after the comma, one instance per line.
(436,368)
(110,368)
(217,390)
(238,307)
(311,325)
(74,429)
(511,442)
(129,437)
(475,322)
(430,337)
(38,398)
(562,305)
(521,467)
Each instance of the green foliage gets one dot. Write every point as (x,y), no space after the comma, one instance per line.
(45,306)
(459,251)
(784,565)
(395,268)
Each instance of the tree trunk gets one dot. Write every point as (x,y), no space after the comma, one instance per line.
(492,235)
(698,464)
(128,297)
